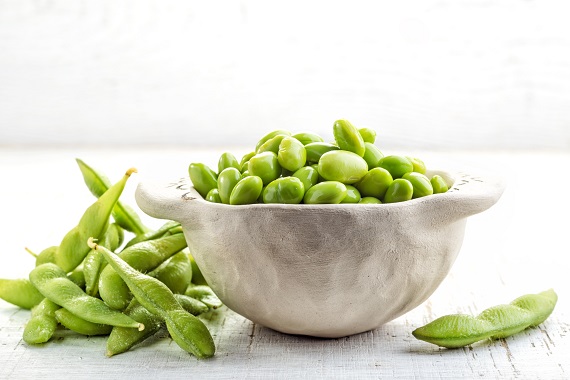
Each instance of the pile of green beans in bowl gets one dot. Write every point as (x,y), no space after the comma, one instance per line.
(96,282)
(303,168)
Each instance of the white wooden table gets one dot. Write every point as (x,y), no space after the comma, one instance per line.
(518,246)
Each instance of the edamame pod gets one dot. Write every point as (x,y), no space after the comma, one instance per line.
(203,294)
(123,215)
(246,191)
(186,330)
(20,292)
(400,190)
(176,272)
(421,183)
(328,192)
(308,175)
(375,183)
(80,325)
(458,330)
(438,184)
(308,137)
(94,262)
(42,323)
(45,256)
(197,276)
(227,160)
(264,165)
(348,138)
(52,282)
(396,165)
(342,166)
(72,249)
(288,190)
(317,149)
(203,178)
(227,180)
(291,154)
(168,228)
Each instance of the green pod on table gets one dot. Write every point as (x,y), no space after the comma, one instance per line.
(94,262)
(213,196)
(328,192)
(348,138)
(246,191)
(369,201)
(204,294)
(53,283)
(176,272)
(269,136)
(291,154)
(396,165)
(123,215)
(20,292)
(203,178)
(374,183)
(227,180)
(342,166)
(80,325)
(42,323)
(271,145)
(438,184)
(186,330)
(264,165)
(308,137)
(168,228)
(368,135)
(400,190)
(418,165)
(352,195)
(227,160)
(197,276)
(317,149)
(372,155)
(421,183)
(72,249)
(144,257)
(288,190)
(308,175)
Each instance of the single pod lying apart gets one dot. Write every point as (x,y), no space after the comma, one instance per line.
(458,330)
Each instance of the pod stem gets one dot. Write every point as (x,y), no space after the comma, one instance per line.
(31,252)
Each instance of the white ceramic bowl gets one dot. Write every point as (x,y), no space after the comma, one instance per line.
(323,270)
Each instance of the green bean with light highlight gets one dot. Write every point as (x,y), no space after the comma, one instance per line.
(79,325)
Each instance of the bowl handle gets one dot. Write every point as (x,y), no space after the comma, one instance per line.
(468,195)
(176,201)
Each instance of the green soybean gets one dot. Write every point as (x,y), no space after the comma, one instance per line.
(271,145)
(185,329)
(400,190)
(458,330)
(20,292)
(72,249)
(288,190)
(375,183)
(145,257)
(42,324)
(227,180)
(291,154)
(328,192)
(269,136)
(123,215)
(421,183)
(317,149)
(203,178)
(418,165)
(80,325)
(370,200)
(227,160)
(372,155)
(213,196)
(308,137)
(244,161)
(308,175)
(342,166)
(396,165)
(348,138)
(438,184)
(246,191)
(368,135)
(352,195)
(264,165)
(53,283)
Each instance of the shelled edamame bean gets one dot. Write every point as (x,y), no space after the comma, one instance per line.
(351,160)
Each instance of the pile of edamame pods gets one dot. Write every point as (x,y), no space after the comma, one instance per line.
(95,283)
(302,168)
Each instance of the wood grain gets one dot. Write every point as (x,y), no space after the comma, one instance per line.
(516,247)
(428,74)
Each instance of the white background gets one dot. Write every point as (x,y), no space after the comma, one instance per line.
(426,74)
